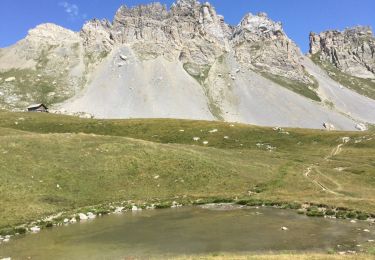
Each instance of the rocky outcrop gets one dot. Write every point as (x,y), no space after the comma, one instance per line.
(351,51)
(196,35)
(261,44)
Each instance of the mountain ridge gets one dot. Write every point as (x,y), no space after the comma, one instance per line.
(182,62)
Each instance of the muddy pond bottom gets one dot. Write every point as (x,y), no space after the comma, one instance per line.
(189,231)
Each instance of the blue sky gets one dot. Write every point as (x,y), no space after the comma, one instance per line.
(299,17)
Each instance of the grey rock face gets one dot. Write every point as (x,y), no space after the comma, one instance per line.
(261,43)
(197,36)
(351,51)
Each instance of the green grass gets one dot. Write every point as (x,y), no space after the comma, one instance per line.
(362,86)
(100,161)
(31,88)
(295,86)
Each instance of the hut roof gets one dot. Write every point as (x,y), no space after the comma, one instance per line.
(36,106)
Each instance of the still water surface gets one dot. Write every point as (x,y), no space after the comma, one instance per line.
(188,231)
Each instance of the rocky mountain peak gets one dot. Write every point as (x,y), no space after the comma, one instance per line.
(155,11)
(51,33)
(351,51)
(260,24)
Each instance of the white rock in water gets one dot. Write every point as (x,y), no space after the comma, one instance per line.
(119,209)
(366,230)
(10,79)
(66,220)
(196,139)
(134,208)
(82,216)
(156,177)
(58,186)
(73,220)
(205,142)
(226,137)
(213,131)
(35,229)
(284,228)
(361,127)
(6,240)
(91,215)
(6,258)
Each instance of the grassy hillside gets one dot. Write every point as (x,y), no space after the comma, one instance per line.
(57,163)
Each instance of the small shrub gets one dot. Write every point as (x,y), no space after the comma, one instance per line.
(7,231)
(254,203)
(362,216)
(341,214)
(20,230)
(242,202)
(49,224)
(351,215)
(223,200)
(315,213)
(330,212)
(293,206)
(312,208)
(163,205)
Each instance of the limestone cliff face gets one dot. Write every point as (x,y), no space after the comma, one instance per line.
(196,35)
(352,51)
(261,44)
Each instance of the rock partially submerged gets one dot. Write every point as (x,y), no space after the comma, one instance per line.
(35,229)
(83,216)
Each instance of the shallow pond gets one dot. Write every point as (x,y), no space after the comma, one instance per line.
(186,231)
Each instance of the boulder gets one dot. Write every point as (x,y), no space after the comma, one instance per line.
(83,216)
(10,79)
(328,126)
(35,229)
(91,215)
(119,210)
(361,127)
(284,228)
(123,57)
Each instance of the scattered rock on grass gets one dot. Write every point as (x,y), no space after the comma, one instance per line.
(361,127)
(284,228)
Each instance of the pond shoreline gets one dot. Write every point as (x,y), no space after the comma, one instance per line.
(92,212)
